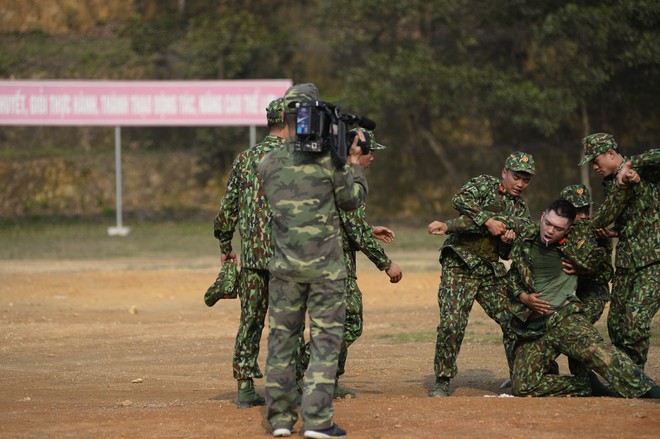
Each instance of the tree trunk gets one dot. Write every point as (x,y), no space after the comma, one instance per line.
(586,130)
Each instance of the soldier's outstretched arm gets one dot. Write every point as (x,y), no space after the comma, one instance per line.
(224,223)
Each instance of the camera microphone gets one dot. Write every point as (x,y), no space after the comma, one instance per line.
(362,121)
(366,123)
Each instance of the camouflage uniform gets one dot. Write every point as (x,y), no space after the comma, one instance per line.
(244,204)
(636,217)
(356,234)
(471,268)
(307,273)
(593,289)
(565,331)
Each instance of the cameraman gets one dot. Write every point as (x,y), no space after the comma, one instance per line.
(307,272)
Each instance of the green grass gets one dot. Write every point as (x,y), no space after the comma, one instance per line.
(80,240)
(88,239)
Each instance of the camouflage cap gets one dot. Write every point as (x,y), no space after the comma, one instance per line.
(520,161)
(596,144)
(225,285)
(371,139)
(274,111)
(298,93)
(576,194)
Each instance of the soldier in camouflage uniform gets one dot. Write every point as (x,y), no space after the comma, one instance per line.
(358,234)
(592,290)
(549,317)
(307,274)
(470,261)
(244,203)
(635,214)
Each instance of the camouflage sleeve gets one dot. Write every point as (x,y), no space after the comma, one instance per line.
(350,187)
(359,232)
(464,224)
(648,158)
(468,199)
(225,221)
(612,207)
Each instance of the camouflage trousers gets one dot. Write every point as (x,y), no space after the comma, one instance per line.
(253,293)
(569,332)
(353,322)
(459,288)
(635,301)
(289,301)
(593,297)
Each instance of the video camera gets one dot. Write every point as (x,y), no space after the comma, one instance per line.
(321,126)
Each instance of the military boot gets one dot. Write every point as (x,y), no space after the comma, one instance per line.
(247,396)
(653,393)
(342,392)
(441,388)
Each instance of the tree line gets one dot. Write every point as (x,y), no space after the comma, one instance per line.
(454,85)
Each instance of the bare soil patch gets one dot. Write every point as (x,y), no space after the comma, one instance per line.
(128,349)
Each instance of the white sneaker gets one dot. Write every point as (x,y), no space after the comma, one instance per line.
(281,432)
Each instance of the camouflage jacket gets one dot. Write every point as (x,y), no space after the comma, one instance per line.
(356,235)
(304,190)
(480,199)
(580,246)
(635,213)
(244,203)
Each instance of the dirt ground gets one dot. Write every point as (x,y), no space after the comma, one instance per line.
(127,348)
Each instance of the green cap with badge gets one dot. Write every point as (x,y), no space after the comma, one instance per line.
(576,194)
(520,162)
(596,144)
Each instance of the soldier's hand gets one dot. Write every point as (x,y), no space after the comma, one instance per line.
(495,227)
(508,236)
(606,233)
(437,228)
(627,176)
(568,266)
(533,302)
(383,233)
(228,257)
(355,152)
(394,272)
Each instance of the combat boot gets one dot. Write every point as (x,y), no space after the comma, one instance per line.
(653,393)
(247,396)
(341,392)
(441,388)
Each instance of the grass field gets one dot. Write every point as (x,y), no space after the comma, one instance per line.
(80,239)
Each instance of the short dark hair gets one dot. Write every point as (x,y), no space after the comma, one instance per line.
(563,209)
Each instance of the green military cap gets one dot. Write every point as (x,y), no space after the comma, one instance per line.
(225,285)
(596,144)
(275,110)
(576,194)
(370,138)
(299,93)
(520,161)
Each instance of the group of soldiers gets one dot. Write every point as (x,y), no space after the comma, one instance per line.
(545,304)
(558,283)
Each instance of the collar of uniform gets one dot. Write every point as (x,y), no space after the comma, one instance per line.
(502,190)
